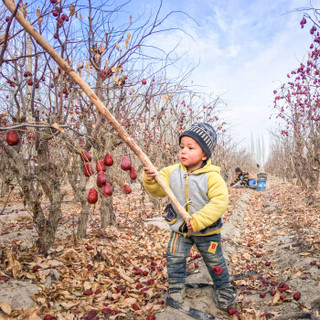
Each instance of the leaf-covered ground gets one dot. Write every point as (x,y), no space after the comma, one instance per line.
(281,241)
(120,272)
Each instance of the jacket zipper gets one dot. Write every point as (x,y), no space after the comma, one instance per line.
(187,196)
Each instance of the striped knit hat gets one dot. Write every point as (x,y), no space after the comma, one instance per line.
(204,134)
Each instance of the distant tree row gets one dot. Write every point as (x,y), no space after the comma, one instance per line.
(296,147)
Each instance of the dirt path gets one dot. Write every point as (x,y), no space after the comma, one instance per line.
(279,228)
(278,242)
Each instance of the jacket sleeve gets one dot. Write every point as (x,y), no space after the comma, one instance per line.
(215,208)
(152,186)
(235,181)
(245,177)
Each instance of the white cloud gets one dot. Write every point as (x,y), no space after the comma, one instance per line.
(261,47)
(245,49)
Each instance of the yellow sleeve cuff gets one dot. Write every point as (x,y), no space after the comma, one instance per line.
(194,225)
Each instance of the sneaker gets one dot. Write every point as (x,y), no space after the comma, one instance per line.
(224,298)
(177,291)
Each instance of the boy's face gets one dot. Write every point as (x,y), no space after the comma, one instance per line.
(191,154)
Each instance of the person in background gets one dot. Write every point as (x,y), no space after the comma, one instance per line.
(244,178)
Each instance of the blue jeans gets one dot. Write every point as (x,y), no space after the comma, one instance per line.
(252,183)
(210,250)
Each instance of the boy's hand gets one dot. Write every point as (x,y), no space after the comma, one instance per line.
(150,173)
(189,226)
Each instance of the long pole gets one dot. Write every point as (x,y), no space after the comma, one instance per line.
(100,106)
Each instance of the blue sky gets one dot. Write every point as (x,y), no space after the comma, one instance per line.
(245,49)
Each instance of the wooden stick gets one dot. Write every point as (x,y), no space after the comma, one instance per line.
(100,106)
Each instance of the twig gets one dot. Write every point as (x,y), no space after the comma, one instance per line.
(6,202)
(297,315)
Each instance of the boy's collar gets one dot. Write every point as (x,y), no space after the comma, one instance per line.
(204,163)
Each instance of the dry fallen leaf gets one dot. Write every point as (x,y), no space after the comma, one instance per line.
(5,317)
(125,277)
(297,275)
(5,307)
(14,264)
(87,285)
(303,308)
(69,305)
(30,314)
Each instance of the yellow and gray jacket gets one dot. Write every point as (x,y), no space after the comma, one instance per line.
(203,192)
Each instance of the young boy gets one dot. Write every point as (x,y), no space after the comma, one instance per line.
(199,187)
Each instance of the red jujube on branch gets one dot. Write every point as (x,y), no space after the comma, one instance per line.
(85,156)
(108,160)
(92,196)
(87,169)
(125,163)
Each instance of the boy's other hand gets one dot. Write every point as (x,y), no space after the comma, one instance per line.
(189,226)
(150,173)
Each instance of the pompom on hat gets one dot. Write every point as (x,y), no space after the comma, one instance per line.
(204,135)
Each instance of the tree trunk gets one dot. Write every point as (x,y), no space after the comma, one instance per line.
(4,188)
(84,216)
(80,195)
(6,180)
(46,231)
(82,224)
(47,225)
(106,211)
(46,228)
(299,172)
(314,181)
(50,183)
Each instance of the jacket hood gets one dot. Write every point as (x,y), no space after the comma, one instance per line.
(208,167)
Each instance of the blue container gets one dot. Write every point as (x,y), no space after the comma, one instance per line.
(261,186)
(262,176)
